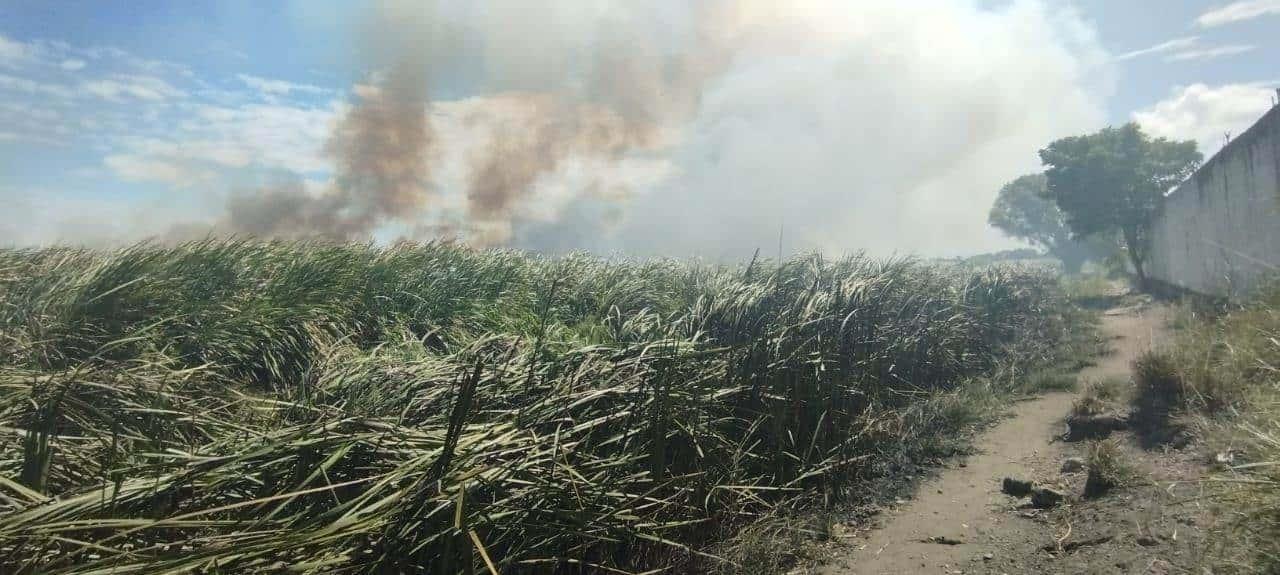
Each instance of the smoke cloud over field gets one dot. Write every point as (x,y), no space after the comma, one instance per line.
(675,127)
(379,150)
(878,126)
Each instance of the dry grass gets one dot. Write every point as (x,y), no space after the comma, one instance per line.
(1223,375)
(1107,468)
(1099,396)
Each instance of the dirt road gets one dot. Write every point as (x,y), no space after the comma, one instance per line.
(960,522)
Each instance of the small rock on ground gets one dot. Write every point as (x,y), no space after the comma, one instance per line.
(1046,497)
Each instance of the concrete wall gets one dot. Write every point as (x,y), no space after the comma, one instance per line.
(1219,232)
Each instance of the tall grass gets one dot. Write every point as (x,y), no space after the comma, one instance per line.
(238,407)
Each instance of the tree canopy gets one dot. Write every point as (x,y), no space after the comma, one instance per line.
(1023,210)
(1114,181)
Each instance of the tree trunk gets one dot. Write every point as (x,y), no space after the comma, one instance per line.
(1136,257)
(1072,254)
(1143,282)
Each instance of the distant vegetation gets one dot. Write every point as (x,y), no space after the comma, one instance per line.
(1023,255)
(239,407)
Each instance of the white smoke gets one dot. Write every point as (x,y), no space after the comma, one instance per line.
(885,126)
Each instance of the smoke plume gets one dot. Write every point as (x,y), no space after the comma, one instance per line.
(677,128)
(521,150)
(630,97)
(379,150)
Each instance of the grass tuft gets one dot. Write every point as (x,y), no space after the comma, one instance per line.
(1107,468)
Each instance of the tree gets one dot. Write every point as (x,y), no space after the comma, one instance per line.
(1114,181)
(1023,210)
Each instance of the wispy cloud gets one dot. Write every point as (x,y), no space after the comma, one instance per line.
(72,64)
(131,60)
(1238,12)
(1210,53)
(1164,47)
(121,86)
(279,87)
(34,87)
(1185,49)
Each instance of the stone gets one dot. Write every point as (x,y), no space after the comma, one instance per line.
(1072,464)
(1046,497)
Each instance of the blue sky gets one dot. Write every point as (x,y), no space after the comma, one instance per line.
(118,118)
(1132,26)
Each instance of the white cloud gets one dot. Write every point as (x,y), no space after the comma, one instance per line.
(120,86)
(33,87)
(1205,114)
(1210,53)
(1238,12)
(274,136)
(72,64)
(278,87)
(1163,47)
(212,138)
(134,168)
(33,122)
(12,52)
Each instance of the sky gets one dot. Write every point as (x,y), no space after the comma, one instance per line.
(661,128)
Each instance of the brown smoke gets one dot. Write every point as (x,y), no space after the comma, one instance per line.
(626,99)
(544,133)
(380,151)
(287,210)
(632,95)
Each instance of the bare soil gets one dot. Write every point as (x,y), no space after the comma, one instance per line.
(960,522)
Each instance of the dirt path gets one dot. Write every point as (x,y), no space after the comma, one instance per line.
(960,522)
